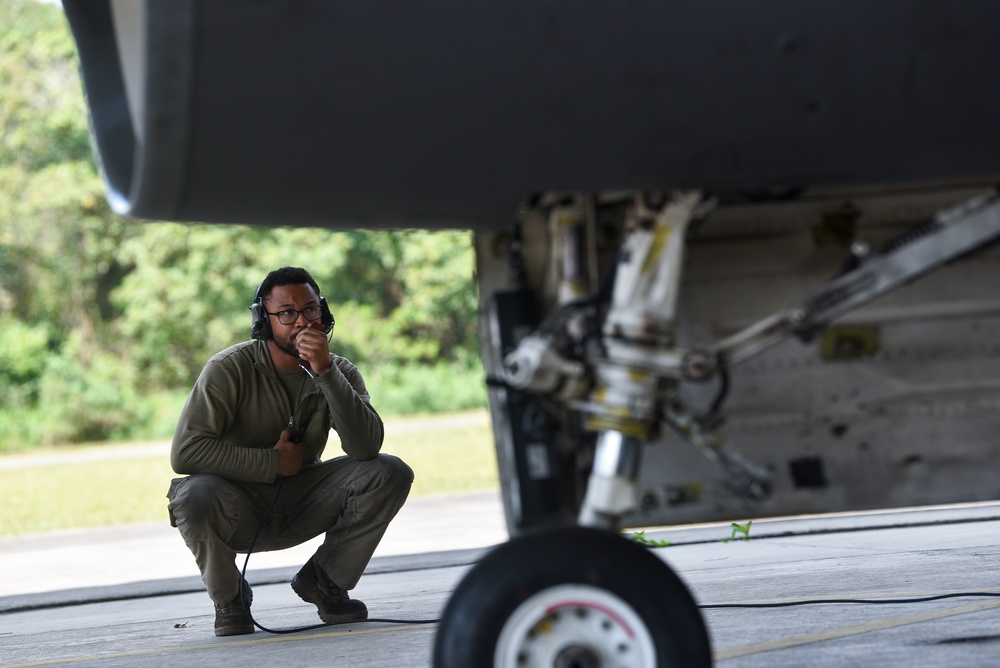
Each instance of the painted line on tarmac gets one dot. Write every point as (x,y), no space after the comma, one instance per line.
(846,631)
(243,643)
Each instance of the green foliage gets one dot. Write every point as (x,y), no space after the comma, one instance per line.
(185,297)
(86,404)
(23,351)
(21,428)
(640,537)
(106,321)
(740,532)
(38,72)
(406,390)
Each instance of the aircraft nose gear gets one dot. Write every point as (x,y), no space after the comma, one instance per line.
(606,367)
(639,373)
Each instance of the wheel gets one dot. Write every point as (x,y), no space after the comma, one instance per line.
(571,598)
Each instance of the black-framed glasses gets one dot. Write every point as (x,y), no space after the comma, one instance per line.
(289,316)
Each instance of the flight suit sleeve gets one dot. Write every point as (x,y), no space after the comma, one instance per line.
(351,414)
(199,444)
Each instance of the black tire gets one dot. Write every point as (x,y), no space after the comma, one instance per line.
(499,595)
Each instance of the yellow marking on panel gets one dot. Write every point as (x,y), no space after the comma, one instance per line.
(661,237)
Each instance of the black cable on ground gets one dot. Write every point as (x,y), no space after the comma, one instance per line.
(869,601)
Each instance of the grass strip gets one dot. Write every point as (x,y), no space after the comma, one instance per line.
(447,456)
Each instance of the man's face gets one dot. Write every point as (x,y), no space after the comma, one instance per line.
(290,297)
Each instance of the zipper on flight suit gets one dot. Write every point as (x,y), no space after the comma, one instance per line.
(299,433)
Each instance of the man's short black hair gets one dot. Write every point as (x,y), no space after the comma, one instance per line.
(285,276)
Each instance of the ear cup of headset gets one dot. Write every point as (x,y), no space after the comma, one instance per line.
(260,326)
(327,319)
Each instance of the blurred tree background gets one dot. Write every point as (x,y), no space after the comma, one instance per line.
(106,322)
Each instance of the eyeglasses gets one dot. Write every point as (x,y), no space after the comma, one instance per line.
(289,316)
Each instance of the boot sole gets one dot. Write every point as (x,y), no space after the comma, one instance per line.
(234,630)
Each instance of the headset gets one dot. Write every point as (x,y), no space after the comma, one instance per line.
(260,326)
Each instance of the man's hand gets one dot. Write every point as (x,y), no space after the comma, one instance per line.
(290,454)
(314,349)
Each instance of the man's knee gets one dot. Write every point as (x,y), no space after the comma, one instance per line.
(392,477)
(396,468)
(198,498)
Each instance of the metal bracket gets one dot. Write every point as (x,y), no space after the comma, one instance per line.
(951,234)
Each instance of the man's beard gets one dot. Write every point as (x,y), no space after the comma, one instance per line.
(287,345)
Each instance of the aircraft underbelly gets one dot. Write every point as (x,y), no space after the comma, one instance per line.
(450,113)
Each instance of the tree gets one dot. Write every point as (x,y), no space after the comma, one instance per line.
(102,316)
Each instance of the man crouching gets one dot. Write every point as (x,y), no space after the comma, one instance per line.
(250,439)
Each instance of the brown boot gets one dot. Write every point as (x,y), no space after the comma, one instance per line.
(333,604)
(232,619)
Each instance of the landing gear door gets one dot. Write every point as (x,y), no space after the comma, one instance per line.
(524,430)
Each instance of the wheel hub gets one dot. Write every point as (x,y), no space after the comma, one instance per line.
(577,656)
(575,626)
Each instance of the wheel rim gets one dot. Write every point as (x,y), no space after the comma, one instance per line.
(575,626)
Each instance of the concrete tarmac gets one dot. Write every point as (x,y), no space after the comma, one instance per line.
(131,596)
